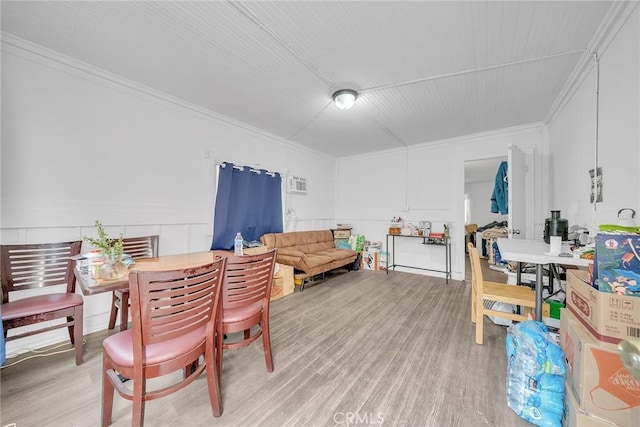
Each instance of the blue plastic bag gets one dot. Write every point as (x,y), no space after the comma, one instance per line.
(535,374)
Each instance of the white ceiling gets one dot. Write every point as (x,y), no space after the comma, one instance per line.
(425,71)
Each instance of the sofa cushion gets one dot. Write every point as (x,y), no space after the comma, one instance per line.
(291,257)
(304,241)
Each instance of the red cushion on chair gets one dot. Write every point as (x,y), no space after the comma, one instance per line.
(120,347)
(39,304)
(233,315)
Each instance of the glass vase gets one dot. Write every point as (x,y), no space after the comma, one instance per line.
(113,268)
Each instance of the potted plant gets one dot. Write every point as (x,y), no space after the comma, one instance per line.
(112,267)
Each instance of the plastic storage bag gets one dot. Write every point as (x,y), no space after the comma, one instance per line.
(535,374)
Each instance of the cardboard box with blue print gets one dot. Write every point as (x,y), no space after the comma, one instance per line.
(617,264)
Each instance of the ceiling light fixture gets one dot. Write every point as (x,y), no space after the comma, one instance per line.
(345,98)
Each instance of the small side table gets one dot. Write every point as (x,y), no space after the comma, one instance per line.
(444,241)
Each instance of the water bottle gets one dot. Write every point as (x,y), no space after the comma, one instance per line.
(237,245)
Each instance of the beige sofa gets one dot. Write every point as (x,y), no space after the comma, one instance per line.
(309,252)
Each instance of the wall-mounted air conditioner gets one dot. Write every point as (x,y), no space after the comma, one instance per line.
(297,185)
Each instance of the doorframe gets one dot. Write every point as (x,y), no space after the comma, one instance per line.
(459,234)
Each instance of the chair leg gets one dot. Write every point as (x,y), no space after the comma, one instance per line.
(266,343)
(78,334)
(107,394)
(124,311)
(473,304)
(114,310)
(139,384)
(213,379)
(218,343)
(72,335)
(479,320)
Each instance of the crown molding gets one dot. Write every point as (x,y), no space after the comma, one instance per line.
(616,18)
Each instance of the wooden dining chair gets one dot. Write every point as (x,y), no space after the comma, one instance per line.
(246,289)
(482,290)
(173,324)
(137,248)
(34,266)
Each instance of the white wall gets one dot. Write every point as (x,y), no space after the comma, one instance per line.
(79,144)
(572,136)
(479,194)
(427,183)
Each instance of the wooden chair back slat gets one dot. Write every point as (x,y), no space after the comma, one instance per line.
(166,305)
(476,269)
(140,247)
(247,280)
(38,265)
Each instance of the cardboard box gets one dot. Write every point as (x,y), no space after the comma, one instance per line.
(341,233)
(607,317)
(573,416)
(617,264)
(551,308)
(551,313)
(282,284)
(286,272)
(256,250)
(383,259)
(601,385)
(277,289)
(370,260)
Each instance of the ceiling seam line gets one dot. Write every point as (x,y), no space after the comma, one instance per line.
(313,119)
(245,11)
(474,70)
(385,129)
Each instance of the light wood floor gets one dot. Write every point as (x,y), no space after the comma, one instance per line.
(364,347)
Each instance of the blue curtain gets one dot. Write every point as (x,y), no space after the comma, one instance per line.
(247,201)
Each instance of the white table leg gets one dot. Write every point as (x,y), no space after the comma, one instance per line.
(538,309)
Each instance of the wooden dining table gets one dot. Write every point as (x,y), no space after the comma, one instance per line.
(91,285)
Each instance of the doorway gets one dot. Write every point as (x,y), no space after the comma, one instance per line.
(479,182)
